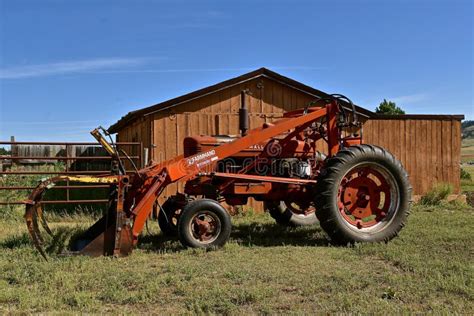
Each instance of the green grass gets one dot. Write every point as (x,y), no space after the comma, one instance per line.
(468,142)
(467,150)
(468,185)
(437,195)
(263,269)
(467,155)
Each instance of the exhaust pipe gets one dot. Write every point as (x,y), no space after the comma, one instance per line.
(243,114)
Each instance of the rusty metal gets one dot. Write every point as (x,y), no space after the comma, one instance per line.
(99,172)
(63,143)
(249,177)
(58,172)
(364,197)
(88,201)
(72,187)
(205,226)
(9,157)
(69,160)
(243,114)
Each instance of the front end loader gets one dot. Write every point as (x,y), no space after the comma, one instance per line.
(357,192)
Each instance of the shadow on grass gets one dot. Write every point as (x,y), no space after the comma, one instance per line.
(16,241)
(159,243)
(271,235)
(52,245)
(247,235)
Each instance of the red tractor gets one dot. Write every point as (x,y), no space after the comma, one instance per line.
(358,192)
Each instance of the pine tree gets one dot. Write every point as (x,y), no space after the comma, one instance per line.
(388,107)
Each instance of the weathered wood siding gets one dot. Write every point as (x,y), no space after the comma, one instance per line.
(430,149)
(138,131)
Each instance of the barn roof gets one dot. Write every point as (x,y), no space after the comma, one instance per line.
(261,72)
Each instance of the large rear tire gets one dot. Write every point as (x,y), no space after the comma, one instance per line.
(362,195)
(204,224)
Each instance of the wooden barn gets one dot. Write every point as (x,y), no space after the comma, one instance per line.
(428,145)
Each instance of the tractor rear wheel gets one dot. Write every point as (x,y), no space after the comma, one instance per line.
(362,195)
(204,224)
(290,213)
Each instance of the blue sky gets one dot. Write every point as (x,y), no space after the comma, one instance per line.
(68,66)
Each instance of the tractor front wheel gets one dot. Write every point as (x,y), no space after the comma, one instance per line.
(362,195)
(204,224)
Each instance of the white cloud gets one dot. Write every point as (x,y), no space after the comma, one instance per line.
(196,70)
(60,68)
(410,98)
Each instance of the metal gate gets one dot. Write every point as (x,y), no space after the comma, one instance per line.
(31,159)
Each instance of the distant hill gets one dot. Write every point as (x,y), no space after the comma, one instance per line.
(467,129)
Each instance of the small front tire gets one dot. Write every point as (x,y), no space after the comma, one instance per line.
(204,224)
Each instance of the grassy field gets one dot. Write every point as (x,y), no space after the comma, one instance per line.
(467,150)
(264,269)
(468,185)
(467,155)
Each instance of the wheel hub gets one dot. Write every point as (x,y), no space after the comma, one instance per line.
(364,197)
(204,227)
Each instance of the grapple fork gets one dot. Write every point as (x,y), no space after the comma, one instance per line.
(110,235)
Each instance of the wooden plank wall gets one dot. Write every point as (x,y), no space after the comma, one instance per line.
(138,131)
(429,149)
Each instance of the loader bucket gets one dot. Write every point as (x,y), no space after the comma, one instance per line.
(105,237)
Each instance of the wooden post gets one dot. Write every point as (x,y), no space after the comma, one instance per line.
(13,149)
(145,157)
(141,151)
(68,167)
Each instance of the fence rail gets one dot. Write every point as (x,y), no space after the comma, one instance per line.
(74,155)
(61,158)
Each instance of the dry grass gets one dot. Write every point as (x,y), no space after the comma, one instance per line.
(468,185)
(264,269)
(467,155)
(467,150)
